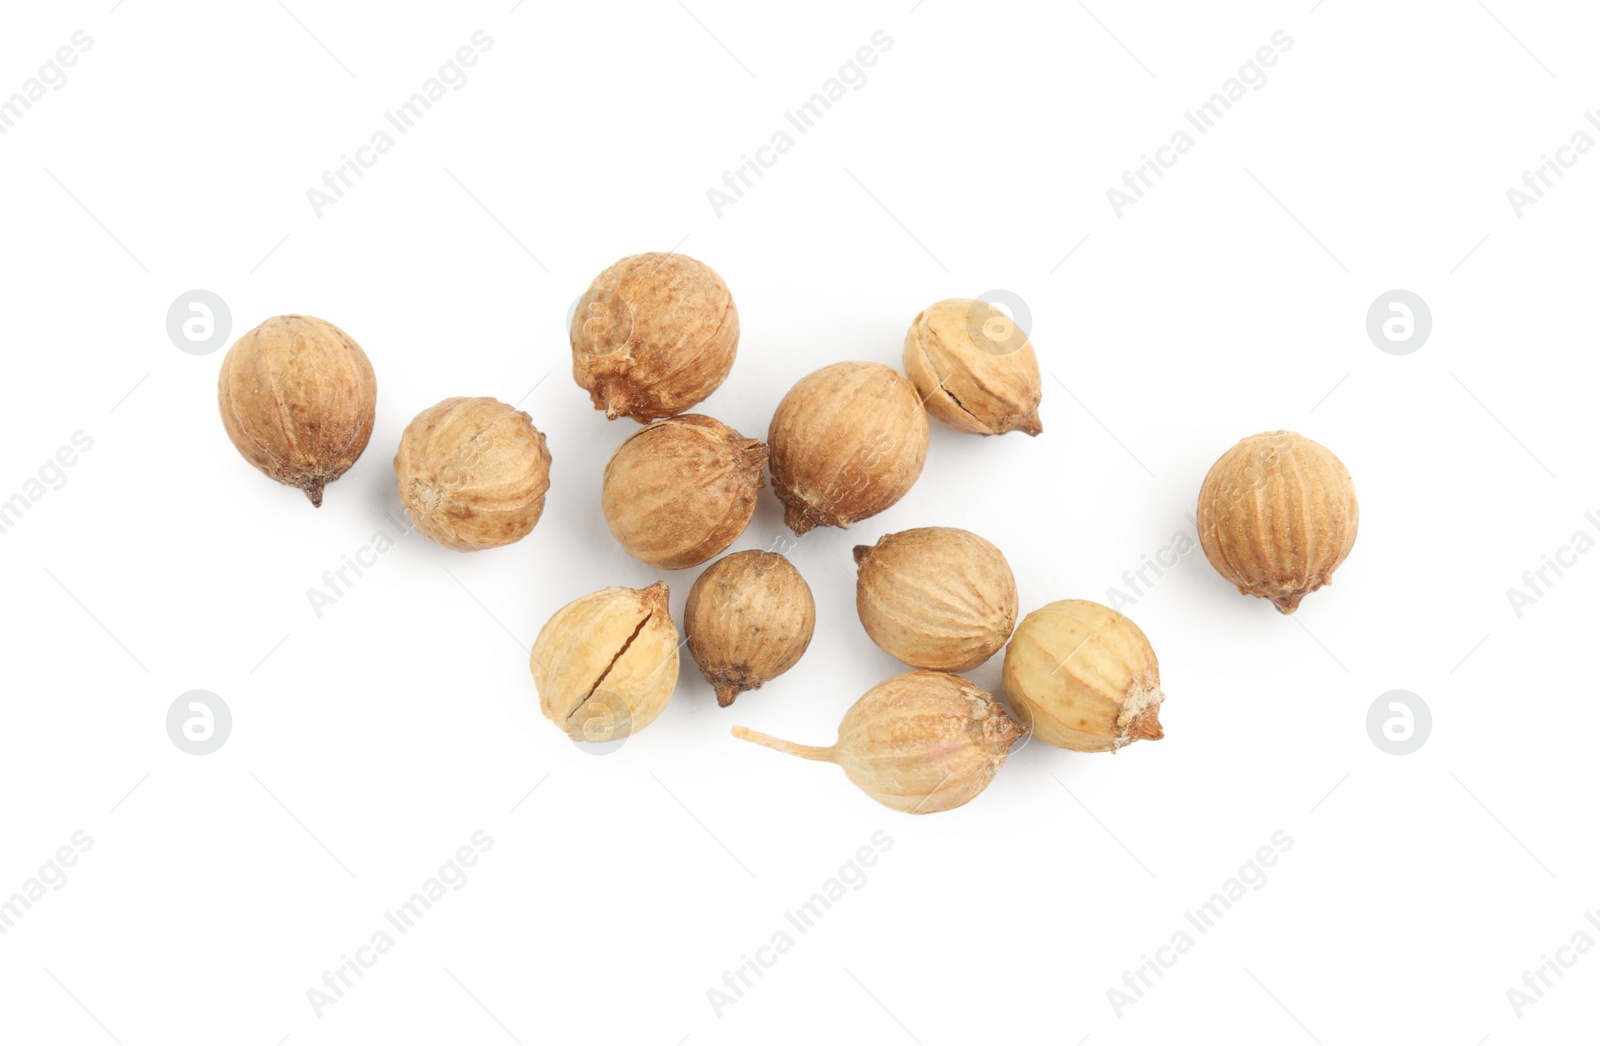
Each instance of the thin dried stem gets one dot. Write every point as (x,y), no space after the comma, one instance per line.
(803,751)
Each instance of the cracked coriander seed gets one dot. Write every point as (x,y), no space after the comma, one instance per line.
(974,368)
(605,665)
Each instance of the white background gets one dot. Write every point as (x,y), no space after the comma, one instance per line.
(369,743)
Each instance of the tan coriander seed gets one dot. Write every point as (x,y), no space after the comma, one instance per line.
(680,491)
(605,665)
(936,597)
(974,367)
(473,473)
(1277,516)
(653,335)
(921,742)
(847,442)
(298,398)
(749,619)
(1084,677)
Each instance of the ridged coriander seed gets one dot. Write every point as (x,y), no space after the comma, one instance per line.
(921,742)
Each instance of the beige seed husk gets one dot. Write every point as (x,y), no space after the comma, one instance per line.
(847,442)
(974,368)
(473,473)
(936,597)
(1084,677)
(682,490)
(749,618)
(1277,516)
(921,742)
(653,335)
(605,665)
(298,398)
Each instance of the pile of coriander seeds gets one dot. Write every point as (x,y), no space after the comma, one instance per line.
(653,336)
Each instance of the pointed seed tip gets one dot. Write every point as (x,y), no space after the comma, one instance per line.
(1147,727)
(656,595)
(612,401)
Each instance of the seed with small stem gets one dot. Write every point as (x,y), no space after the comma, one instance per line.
(921,742)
